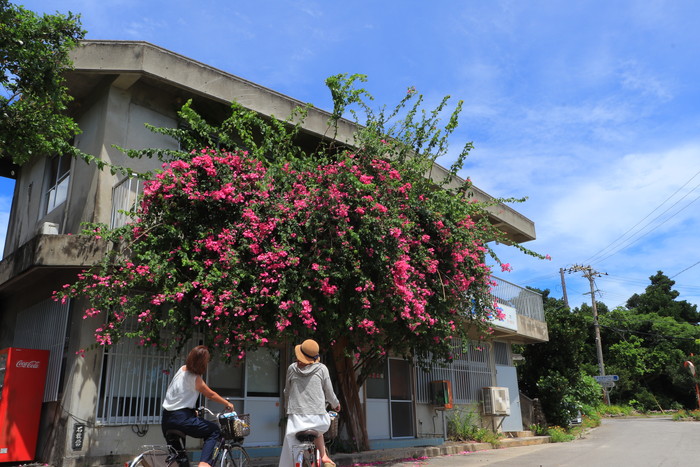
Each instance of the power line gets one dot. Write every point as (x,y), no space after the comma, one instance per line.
(631,241)
(685,270)
(611,245)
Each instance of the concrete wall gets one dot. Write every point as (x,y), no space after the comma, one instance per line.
(431,422)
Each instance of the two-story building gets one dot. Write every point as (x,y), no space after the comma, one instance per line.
(111,397)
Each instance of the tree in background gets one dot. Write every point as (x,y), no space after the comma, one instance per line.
(660,298)
(270,241)
(33,55)
(646,344)
(556,371)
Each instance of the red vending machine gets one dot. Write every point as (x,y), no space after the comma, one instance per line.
(22,379)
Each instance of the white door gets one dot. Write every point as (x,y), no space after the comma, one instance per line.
(377,405)
(507,377)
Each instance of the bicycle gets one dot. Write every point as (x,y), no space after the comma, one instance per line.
(229,451)
(306,453)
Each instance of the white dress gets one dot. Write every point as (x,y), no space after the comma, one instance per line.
(295,424)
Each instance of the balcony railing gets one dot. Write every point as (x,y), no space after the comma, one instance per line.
(524,301)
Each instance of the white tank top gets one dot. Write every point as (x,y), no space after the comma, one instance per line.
(181,392)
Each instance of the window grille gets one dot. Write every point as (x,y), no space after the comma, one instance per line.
(124,198)
(58,178)
(502,353)
(468,372)
(133,383)
(43,326)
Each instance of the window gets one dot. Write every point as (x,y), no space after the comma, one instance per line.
(377,384)
(502,353)
(124,197)
(468,372)
(58,178)
(133,383)
(263,370)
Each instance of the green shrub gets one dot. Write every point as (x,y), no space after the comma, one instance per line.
(559,406)
(586,391)
(676,405)
(591,420)
(687,415)
(644,401)
(539,430)
(562,399)
(560,435)
(463,425)
(615,410)
(680,415)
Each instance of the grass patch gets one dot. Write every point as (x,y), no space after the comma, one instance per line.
(685,415)
(560,435)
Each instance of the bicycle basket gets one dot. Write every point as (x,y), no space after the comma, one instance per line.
(238,427)
(332,432)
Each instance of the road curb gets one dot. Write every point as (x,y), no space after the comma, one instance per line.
(380,456)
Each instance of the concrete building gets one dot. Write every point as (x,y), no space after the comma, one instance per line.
(99,409)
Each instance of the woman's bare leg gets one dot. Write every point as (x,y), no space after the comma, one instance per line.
(321,446)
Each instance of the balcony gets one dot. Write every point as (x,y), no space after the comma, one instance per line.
(524,321)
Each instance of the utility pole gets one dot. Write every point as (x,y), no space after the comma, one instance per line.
(563,287)
(589,273)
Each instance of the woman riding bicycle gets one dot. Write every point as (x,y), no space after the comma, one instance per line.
(180,400)
(307,391)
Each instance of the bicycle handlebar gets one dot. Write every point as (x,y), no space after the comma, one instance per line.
(203,409)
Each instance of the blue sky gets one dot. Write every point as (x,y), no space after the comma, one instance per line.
(591,109)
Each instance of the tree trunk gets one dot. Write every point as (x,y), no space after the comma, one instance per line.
(353,411)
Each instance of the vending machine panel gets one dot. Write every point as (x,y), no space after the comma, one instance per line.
(22,379)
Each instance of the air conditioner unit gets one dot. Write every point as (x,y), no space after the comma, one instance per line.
(496,401)
(49,228)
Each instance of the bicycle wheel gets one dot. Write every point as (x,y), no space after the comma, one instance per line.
(237,456)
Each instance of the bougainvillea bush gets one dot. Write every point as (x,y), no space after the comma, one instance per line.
(353,246)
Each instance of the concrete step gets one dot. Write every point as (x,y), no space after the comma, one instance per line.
(519,434)
(524,441)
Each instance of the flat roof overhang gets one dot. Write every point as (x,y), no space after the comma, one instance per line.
(122,63)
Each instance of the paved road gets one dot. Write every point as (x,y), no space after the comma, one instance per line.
(631,442)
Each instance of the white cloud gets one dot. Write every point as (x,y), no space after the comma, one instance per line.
(636,78)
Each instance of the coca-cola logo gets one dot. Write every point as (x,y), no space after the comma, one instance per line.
(23,364)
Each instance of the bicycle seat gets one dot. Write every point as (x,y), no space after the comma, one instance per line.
(307,435)
(175,438)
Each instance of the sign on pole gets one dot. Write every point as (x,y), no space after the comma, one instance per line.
(606,379)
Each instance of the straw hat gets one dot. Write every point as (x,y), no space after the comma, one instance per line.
(307,351)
